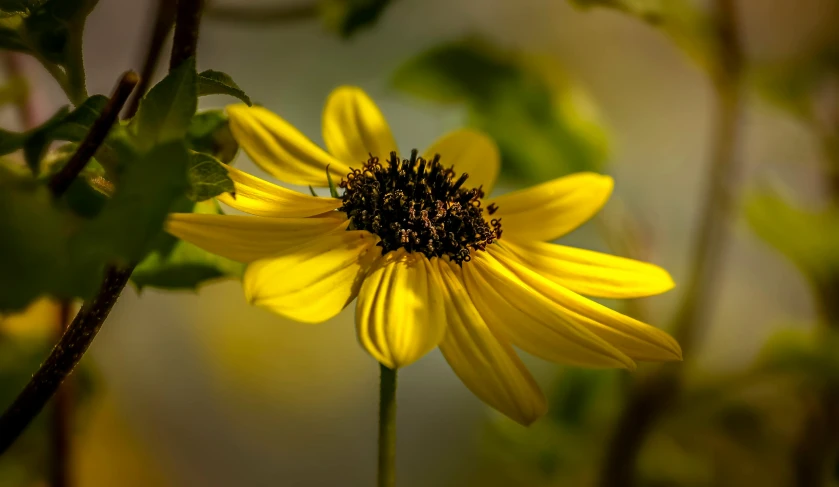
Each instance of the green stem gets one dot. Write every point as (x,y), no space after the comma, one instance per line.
(76,82)
(387,428)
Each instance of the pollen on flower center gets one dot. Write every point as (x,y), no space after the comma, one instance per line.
(419,205)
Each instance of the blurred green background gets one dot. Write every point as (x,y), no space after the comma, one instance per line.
(200,389)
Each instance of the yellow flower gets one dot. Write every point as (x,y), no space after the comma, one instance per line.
(432,261)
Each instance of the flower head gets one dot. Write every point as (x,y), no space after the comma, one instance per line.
(431,261)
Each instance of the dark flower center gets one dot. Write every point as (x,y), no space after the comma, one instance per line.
(418,205)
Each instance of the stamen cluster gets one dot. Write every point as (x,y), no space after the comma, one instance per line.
(418,205)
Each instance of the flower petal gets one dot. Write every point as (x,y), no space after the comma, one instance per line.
(591,273)
(489,367)
(248,238)
(313,282)
(471,152)
(354,128)
(532,322)
(280,149)
(259,197)
(637,340)
(552,209)
(400,313)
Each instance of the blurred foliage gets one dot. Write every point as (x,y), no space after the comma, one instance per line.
(810,355)
(808,238)
(794,84)
(545,126)
(64,125)
(51,31)
(115,211)
(347,17)
(106,450)
(683,21)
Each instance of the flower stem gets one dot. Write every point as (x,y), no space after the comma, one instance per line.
(387,428)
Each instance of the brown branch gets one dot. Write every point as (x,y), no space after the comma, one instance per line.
(59,183)
(187,23)
(651,398)
(63,359)
(163,21)
(62,417)
(263,15)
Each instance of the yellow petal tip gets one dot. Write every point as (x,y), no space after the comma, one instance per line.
(237,109)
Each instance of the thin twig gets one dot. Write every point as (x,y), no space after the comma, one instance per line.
(187,23)
(81,332)
(263,15)
(96,136)
(651,398)
(163,21)
(62,417)
(63,359)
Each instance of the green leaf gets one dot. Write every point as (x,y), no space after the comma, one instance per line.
(72,127)
(209,132)
(11,141)
(217,83)
(176,264)
(544,124)
(808,238)
(208,177)
(347,17)
(37,140)
(812,354)
(793,85)
(167,109)
(75,126)
(149,184)
(63,125)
